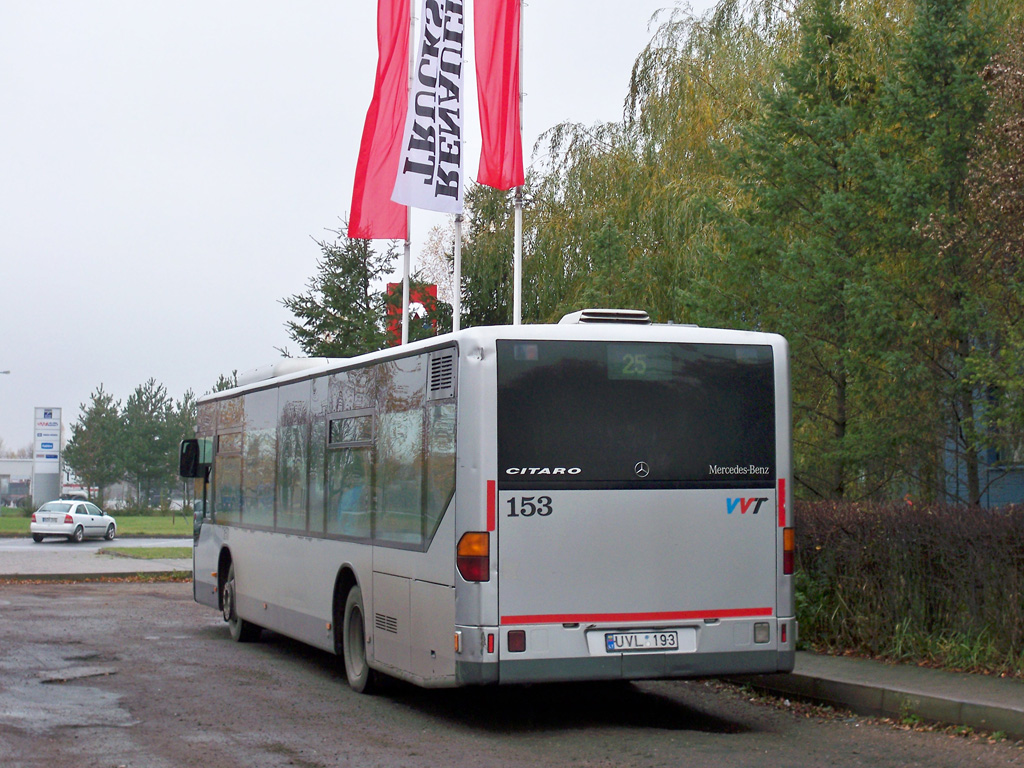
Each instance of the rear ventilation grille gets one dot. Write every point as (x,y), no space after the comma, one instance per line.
(627,316)
(386,623)
(441,374)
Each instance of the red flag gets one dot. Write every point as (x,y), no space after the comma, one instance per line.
(497,84)
(373,214)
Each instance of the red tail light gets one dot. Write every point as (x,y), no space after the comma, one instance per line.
(473,556)
(788,550)
(33,517)
(68,519)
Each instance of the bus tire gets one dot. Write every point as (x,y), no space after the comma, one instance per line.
(242,631)
(361,678)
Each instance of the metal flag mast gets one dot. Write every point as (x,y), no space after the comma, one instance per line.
(457,277)
(407,248)
(517,252)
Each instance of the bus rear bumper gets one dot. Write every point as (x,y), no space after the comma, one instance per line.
(640,667)
(476,673)
(545,653)
(648,666)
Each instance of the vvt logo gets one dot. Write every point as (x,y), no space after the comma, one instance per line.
(744,505)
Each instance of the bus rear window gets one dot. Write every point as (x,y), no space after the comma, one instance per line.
(591,414)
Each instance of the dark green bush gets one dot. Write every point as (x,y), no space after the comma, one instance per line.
(903,581)
(139,510)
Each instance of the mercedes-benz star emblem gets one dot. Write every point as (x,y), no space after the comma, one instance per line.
(641,469)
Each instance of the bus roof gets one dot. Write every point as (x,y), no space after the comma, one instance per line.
(298,369)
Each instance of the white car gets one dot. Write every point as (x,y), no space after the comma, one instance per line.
(72,519)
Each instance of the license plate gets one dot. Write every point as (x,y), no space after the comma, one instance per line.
(49,519)
(627,642)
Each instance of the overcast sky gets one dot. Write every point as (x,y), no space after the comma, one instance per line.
(163,166)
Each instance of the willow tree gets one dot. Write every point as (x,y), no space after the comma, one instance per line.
(621,215)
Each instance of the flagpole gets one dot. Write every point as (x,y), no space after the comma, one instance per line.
(457,278)
(407,249)
(406,259)
(517,257)
(517,262)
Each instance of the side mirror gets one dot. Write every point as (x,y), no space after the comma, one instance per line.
(189,464)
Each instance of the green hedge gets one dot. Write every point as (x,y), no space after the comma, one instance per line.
(942,585)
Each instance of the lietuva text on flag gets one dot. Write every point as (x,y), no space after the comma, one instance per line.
(430,169)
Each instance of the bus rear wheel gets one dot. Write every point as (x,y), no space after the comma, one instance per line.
(242,631)
(353,650)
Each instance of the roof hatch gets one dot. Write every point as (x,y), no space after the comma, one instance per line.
(628,316)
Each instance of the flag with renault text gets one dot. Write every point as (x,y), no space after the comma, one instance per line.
(429,173)
(373,214)
(497,30)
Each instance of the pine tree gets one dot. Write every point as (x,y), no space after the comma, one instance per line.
(151,440)
(487,258)
(934,106)
(341,314)
(95,451)
(801,244)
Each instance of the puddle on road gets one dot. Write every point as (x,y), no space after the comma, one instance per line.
(39,708)
(74,673)
(39,692)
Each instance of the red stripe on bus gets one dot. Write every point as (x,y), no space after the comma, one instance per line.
(782,502)
(492,505)
(581,618)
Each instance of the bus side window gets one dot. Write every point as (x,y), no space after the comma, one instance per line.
(400,478)
(439,467)
(349,492)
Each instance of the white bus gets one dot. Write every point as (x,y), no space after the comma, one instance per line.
(603,498)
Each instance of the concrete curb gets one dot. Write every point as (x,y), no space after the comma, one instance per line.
(988,711)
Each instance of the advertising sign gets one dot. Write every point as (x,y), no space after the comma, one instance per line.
(47,440)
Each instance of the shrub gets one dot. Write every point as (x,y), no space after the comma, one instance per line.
(904,581)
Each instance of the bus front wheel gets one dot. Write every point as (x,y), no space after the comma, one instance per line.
(353,649)
(242,631)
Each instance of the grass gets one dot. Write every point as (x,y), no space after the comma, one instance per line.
(150,553)
(154,525)
(14,522)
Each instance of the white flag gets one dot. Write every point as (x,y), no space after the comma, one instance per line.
(430,169)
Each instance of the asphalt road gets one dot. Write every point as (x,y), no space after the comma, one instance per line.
(23,558)
(139,675)
(52,545)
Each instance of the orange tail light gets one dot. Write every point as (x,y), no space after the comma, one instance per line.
(473,556)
